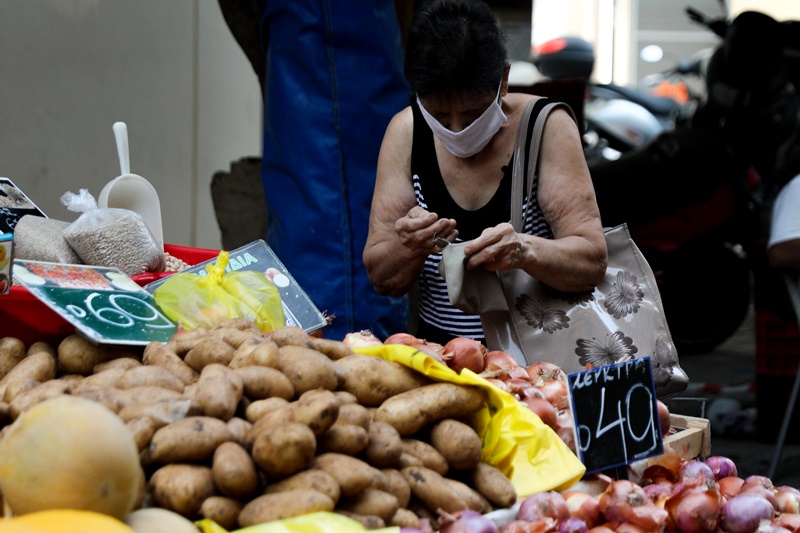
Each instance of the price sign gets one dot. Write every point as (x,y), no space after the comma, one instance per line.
(616,415)
(103,304)
(14,205)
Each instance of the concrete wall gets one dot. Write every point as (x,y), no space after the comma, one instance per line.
(169,69)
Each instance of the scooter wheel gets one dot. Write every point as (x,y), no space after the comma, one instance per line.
(706,296)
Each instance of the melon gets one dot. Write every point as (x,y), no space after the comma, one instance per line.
(70,453)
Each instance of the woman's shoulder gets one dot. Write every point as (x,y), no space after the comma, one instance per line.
(402,123)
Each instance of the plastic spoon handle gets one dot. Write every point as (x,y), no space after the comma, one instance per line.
(121,134)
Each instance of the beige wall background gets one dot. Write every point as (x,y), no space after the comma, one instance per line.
(170,70)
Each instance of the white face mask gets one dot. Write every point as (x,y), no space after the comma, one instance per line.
(473,138)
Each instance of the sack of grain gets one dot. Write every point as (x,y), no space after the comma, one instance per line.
(111,237)
(38,238)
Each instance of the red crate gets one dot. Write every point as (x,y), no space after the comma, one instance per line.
(24,316)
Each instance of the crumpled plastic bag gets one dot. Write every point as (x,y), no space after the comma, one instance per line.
(111,237)
(197,300)
(515,441)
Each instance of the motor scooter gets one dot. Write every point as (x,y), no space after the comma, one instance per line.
(695,197)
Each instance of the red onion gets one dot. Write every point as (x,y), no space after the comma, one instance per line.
(627,527)
(721,466)
(461,353)
(466,521)
(401,338)
(694,468)
(565,428)
(730,486)
(543,505)
(657,491)
(693,510)
(555,391)
(788,499)
(625,501)
(790,521)
(584,506)
(601,529)
(542,408)
(360,339)
(663,418)
(766,526)
(762,486)
(743,512)
(545,371)
(572,525)
(433,349)
(410,530)
(545,525)
(504,365)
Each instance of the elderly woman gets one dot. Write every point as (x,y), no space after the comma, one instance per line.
(444,171)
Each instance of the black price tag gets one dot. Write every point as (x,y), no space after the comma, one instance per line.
(616,415)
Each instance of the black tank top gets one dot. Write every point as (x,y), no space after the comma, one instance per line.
(439,321)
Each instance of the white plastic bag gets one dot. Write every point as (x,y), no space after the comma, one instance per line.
(110,237)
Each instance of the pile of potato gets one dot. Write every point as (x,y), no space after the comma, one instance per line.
(244,428)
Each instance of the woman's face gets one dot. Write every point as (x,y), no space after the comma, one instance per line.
(457,111)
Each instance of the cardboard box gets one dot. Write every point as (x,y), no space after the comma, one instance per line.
(690,436)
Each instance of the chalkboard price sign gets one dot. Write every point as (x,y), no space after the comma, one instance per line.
(616,415)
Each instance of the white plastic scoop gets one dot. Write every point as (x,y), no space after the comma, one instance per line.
(131,191)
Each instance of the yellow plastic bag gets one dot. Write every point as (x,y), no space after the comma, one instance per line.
(515,440)
(196,300)
(319,522)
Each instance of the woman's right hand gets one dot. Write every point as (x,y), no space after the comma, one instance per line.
(419,227)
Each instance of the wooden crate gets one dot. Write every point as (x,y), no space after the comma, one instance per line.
(690,436)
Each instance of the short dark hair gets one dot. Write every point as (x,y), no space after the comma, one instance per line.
(455,46)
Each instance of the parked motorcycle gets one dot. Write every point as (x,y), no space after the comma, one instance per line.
(694,196)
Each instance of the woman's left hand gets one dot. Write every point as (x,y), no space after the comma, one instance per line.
(497,249)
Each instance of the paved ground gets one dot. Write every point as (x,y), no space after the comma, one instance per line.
(723,389)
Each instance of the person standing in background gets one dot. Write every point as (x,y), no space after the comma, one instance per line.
(332,78)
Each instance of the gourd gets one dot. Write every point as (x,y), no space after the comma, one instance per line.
(64,521)
(70,453)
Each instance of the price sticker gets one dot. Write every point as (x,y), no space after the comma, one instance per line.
(616,415)
(103,304)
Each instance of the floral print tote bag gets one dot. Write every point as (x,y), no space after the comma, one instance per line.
(621,319)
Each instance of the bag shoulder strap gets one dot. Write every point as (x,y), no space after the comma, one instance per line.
(526,153)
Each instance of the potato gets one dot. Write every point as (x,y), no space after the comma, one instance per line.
(308,369)
(352,474)
(372,502)
(114,399)
(346,397)
(312,478)
(186,339)
(256,352)
(474,500)
(282,505)
(148,394)
(238,428)
(181,488)
(372,380)
(348,439)
(162,412)
(39,366)
(385,445)
(353,413)
(194,438)
(404,518)
(332,348)
(105,379)
(429,456)
(222,510)
(234,471)
(235,337)
(494,485)
(160,354)
(406,459)
(259,408)
(121,362)
(43,391)
(12,351)
(431,488)
(289,336)
(412,410)
(219,390)
(458,443)
(284,449)
(38,346)
(158,520)
(142,429)
(370,522)
(396,485)
(17,387)
(77,355)
(207,351)
(150,375)
(262,382)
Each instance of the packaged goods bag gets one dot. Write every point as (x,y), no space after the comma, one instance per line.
(205,300)
(622,318)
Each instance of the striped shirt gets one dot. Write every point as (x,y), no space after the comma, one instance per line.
(439,321)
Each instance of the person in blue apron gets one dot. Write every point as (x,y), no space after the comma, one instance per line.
(333,80)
